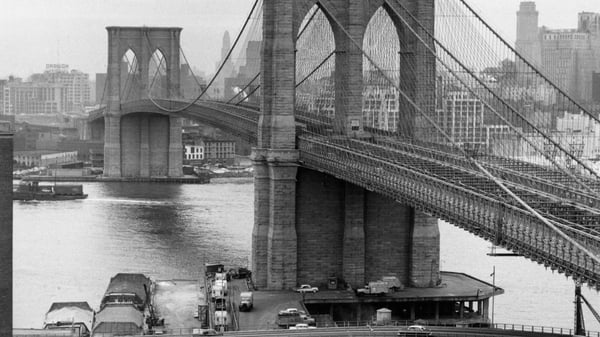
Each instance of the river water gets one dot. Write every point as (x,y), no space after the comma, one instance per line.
(68,251)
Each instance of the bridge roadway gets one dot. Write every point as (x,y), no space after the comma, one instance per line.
(438,180)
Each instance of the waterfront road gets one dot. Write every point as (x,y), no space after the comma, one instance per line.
(382,331)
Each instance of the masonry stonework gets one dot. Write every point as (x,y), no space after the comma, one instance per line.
(387,238)
(276,149)
(141,144)
(425,251)
(320,226)
(260,232)
(354,235)
(310,226)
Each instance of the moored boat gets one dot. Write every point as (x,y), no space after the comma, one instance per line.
(124,306)
(69,318)
(32,190)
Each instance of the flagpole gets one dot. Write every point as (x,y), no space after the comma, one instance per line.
(493,292)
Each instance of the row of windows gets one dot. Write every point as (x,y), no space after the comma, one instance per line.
(565,37)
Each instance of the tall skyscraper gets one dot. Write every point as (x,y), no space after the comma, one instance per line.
(528,41)
(569,57)
(228,70)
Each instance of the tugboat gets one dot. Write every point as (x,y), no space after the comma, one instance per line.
(32,190)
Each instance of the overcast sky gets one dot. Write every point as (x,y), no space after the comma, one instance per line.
(36,32)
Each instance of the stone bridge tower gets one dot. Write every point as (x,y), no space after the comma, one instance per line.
(141,144)
(310,226)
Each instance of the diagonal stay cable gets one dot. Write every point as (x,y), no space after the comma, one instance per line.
(308,23)
(562,92)
(124,87)
(471,159)
(249,94)
(570,174)
(218,70)
(190,68)
(155,73)
(317,68)
(245,87)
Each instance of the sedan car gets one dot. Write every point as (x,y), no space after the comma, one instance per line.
(306,288)
(415,331)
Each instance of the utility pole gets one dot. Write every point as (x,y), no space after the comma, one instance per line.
(493,292)
(579,322)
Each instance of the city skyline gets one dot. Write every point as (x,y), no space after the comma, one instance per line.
(72,32)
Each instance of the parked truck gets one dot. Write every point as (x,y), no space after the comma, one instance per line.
(393,283)
(374,288)
(217,292)
(291,318)
(246,301)
(221,318)
(222,284)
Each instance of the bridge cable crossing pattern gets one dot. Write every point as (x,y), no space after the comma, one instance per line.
(252,11)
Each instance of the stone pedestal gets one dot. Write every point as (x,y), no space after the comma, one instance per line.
(112,145)
(354,236)
(425,251)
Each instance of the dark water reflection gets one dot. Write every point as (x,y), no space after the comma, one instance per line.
(67,251)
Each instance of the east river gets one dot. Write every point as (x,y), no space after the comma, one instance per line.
(68,250)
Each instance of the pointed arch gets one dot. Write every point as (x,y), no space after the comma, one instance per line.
(157,74)
(382,43)
(129,75)
(315,64)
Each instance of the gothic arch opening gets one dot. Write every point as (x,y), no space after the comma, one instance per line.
(380,97)
(157,75)
(315,66)
(129,76)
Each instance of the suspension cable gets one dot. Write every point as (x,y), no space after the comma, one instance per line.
(190,67)
(245,87)
(103,91)
(470,158)
(308,23)
(155,73)
(570,174)
(317,68)
(216,74)
(593,116)
(249,94)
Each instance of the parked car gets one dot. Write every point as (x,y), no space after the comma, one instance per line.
(301,326)
(306,288)
(289,311)
(415,331)
(205,332)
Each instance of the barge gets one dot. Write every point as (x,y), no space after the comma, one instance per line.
(69,319)
(32,190)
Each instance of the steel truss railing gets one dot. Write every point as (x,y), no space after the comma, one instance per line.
(495,220)
(441,183)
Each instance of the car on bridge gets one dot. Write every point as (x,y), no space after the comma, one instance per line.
(306,288)
(415,331)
